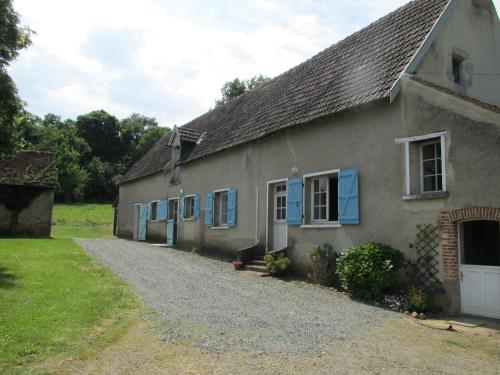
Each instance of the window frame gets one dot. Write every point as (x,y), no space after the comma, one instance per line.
(281,194)
(220,226)
(155,202)
(318,224)
(441,135)
(436,157)
(186,197)
(168,208)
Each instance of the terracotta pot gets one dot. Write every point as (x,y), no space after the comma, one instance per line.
(238,265)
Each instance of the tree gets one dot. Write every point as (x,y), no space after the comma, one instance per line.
(102,133)
(237,87)
(101,185)
(60,138)
(13,38)
(148,139)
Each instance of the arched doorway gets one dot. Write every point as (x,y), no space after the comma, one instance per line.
(471,259)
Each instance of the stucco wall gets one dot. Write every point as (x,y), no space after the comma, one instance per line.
(35,220)
(474,32)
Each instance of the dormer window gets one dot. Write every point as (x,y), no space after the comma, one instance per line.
(457,69)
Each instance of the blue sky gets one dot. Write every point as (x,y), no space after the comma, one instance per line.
(168,59)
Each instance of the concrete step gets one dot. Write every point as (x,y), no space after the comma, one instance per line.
(256,268)
(258,262)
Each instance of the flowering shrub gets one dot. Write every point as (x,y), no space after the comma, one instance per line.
(418,300)
(396,302)
(323,260)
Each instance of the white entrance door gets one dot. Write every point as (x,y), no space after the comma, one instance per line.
(480,268)
(280,229)
(480,290)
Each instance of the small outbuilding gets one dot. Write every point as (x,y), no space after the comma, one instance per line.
(27,184)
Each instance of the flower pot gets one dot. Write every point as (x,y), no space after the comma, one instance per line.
(238,265)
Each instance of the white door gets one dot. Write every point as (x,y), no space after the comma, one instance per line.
(280,229)
(480,290)
(480,268)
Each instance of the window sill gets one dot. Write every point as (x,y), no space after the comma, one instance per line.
(426,196)
(189,219)
(220,228)
(157,220)
(321,226)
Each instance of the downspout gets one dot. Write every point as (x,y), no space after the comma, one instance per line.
(257,215)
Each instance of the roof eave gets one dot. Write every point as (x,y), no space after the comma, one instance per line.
(424,48)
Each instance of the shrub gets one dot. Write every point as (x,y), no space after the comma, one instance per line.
(418,300)
(278,264)
(367,271)
(396,302)
(324,261)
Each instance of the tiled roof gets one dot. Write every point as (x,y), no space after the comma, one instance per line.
(358,70)
(190,135)
(155,160)
(29,168)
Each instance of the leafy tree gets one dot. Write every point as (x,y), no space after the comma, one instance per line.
(237,87)
(60,138)
(102,133)
(13,38)
(139,133)
(101,185)
(148,139)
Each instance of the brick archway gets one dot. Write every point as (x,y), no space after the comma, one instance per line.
(449,235)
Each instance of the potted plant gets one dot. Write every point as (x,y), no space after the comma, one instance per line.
(277,265)
(238,265)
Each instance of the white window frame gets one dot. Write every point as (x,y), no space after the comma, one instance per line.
(185,198)
(168,208)
(155,219)
(406,142)
(224,226)
(318,224)
(421,151)
(282,194)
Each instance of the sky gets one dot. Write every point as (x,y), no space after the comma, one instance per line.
(168,59)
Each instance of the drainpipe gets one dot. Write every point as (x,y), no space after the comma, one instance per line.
(257,215)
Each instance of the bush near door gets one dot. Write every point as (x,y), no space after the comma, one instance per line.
(367,271)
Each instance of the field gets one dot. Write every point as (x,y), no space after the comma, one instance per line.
(54,299)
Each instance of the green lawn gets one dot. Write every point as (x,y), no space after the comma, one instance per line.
(54,299)
(82,220)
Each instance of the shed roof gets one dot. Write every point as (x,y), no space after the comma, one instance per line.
(29,168)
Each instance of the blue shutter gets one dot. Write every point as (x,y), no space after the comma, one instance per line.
(161,210)
(196,206)
(231,208)
(294,196)
(348,196)
(150,211)
(181,208)
(143,215)
(208,210)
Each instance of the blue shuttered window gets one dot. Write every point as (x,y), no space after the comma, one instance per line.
(196,210)
(294,198)
(143,217)
(348,196)
(161,210)
(149,211)
(231,208)
(209,210)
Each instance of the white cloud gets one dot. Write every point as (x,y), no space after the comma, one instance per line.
(169,59)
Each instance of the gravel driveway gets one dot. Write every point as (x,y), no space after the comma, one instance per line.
(205,300)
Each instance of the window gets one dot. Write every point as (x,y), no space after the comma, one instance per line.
(457,62)
(189,207)
(173,207)
(431,167)
(220,209)
(280,199)
(154,210)
(323,197)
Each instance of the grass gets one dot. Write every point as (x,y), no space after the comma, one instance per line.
(55,300)
(82,220)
